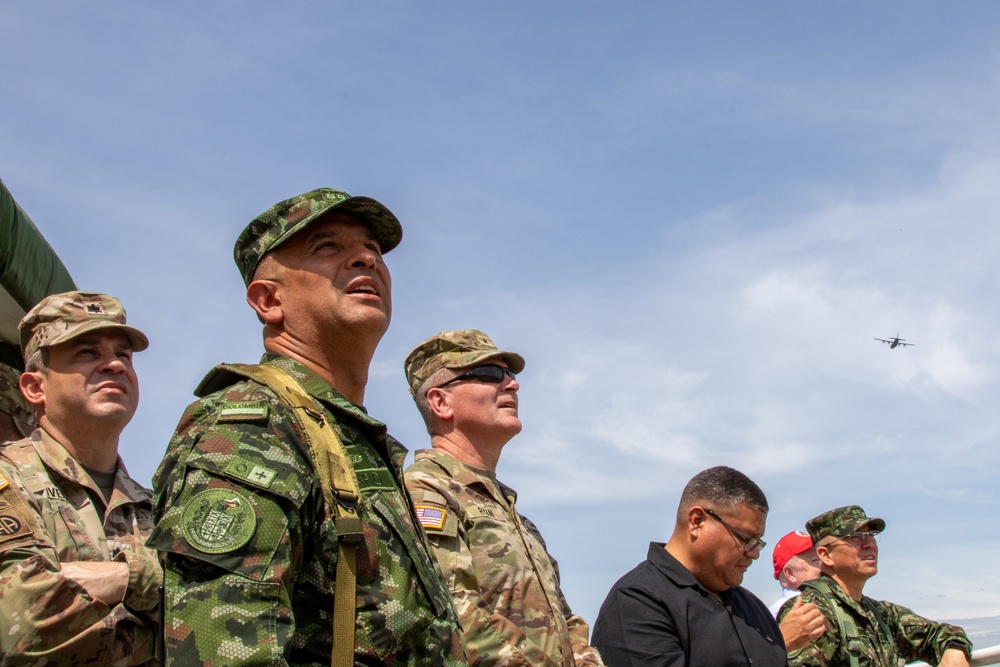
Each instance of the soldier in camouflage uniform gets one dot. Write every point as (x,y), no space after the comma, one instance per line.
(251,542)
(861,631)
(77,584)
(504,583)
(16,420)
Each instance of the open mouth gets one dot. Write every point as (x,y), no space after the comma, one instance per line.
(364,289)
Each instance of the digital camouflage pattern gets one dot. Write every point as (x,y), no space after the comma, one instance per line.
(503,581)
(454,349)
(841,522)
(890,635)
(13,403)
(51,511)
(285,219)
(251,545)
(60,317)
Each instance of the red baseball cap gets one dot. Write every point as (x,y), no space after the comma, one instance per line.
(790,545)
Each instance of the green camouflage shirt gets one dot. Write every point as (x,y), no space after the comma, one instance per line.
(252,549)
(504,583)
(51,511)
(890,635)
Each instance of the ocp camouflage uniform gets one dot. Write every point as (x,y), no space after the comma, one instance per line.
(504,583)
(251,545)
(889,635)
(51,511)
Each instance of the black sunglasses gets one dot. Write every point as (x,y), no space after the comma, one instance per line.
(489,373)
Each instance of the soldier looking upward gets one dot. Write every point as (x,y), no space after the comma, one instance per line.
(289,537)
(860,631)
(77,583)
(503,581)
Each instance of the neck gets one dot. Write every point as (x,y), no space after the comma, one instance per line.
(458,446)
(677,547)
(852,587)
(343,367)
(96,448)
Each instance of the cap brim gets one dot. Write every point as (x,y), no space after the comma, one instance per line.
(871,524)
(515,361)
(135,337)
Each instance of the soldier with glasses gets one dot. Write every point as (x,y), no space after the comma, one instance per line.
(860,631)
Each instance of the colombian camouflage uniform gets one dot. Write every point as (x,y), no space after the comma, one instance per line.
(503,581)
(52,511)
(251,545)
(890,635)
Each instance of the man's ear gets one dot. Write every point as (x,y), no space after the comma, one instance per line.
(824,556)
(439,404)
(262,295)
(33,387)
(695,520)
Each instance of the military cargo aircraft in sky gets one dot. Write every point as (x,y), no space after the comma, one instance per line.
(895,342)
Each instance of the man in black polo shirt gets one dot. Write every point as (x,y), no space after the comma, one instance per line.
(684,606)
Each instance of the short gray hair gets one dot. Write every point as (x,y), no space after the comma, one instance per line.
(723,487)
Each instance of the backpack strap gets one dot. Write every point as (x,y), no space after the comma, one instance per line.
(849,631)
(340,490)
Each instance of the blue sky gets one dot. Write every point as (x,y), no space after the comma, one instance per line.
(690,218)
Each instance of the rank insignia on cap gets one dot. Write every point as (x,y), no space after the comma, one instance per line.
(94,308)
(430,517)
(219,520)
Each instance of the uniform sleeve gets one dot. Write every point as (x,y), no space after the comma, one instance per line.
(49,619)
(919,638)
(584,655)
(822,650)
(490,638)
(229,501)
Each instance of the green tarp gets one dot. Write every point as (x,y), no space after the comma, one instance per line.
(29,271)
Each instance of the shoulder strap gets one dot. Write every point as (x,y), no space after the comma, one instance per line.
(849,631)
(340,490)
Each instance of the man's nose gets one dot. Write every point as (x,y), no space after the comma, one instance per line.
(363,256)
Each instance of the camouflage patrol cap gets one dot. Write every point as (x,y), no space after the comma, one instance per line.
(13,402)
(61,317)
(454,349)
(841,522)
(287,218)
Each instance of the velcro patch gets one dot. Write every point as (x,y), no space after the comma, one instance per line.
(430,517)
(253,473)
(3,482)
(489,511)
(219,520)
(242,411)
(13,521)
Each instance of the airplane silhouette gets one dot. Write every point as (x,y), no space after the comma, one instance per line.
(895,342)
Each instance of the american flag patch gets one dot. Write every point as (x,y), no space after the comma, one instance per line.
(430,517)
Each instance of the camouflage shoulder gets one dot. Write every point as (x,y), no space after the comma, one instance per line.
(18,520)
(434,513)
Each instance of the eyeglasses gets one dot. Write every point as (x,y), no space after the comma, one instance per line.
(859,538)
(489,373)
(750,544)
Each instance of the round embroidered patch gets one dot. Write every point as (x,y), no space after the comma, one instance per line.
(219,520)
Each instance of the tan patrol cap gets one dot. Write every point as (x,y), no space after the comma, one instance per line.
(454,349)
(61,317)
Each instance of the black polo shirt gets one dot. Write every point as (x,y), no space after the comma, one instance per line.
(658,615)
